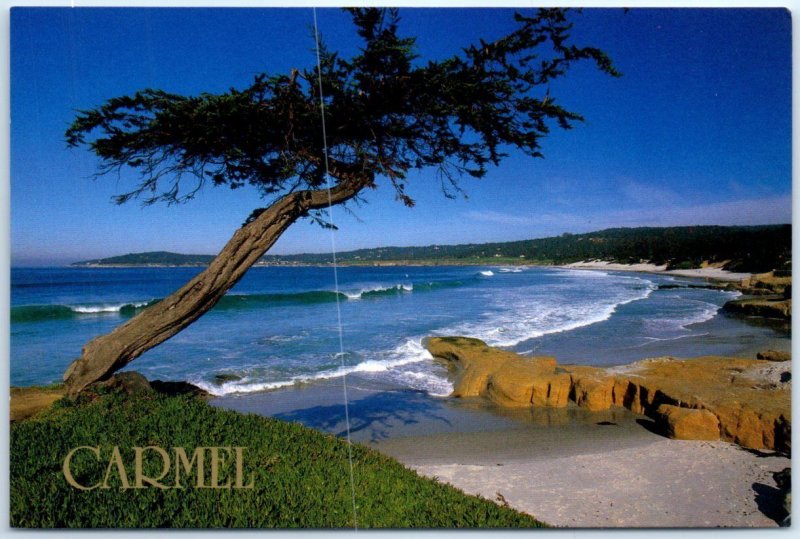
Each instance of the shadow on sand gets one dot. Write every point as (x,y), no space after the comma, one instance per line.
(770,501)
(371,417)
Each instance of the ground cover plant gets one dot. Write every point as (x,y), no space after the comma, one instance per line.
(301,477)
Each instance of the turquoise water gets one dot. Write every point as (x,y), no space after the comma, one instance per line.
(278,327)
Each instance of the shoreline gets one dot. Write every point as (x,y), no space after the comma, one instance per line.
(713,274)
(709,273)
(602,479)
(567,467)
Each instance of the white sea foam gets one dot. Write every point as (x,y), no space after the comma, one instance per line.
(239,386)
(694,312)
(410,365)
(377,289)
(433,384)
(487,273)
(105,308)
(520,316)
(510,270)
(411,351)
(511,316)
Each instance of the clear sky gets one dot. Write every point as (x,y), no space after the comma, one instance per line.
(697,131)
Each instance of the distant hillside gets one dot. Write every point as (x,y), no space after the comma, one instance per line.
(748,249)
(155,258)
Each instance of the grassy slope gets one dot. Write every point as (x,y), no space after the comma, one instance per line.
(302,476)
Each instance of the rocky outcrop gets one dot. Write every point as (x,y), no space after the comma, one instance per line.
(772,296)
(775,306)
(133,383)
(783,480)
(749,399)
(766,283)
(129,382)
(687,423)
(774,355)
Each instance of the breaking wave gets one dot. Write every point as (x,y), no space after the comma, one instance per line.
(40,313)
(395,362)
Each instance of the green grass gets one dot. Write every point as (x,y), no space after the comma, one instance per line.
(302,477)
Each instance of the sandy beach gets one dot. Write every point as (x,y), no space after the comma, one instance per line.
(660,483)
(567,467)
(700,273)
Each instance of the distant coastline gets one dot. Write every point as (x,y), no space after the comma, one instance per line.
(713,273)
(743,250)
(381,263)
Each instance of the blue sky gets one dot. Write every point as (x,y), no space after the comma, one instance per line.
(697,131)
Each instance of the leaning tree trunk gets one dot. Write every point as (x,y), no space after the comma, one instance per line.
(108,353)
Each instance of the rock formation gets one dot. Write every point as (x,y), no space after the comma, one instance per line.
(766,283)
(765,306)
(774,355)
(745,401)
(688,423)
(773,297)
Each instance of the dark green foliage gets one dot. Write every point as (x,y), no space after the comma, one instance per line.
(388,112)
(155,257)
(302,476)
(750,249)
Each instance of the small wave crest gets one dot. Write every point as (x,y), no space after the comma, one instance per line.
(380,291)
(238,386)
(41,313)
(486,273)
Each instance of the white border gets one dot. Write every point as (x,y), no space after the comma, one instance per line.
(5,238)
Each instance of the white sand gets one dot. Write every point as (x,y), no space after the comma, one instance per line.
(668,483)
(573,468)
(703,273)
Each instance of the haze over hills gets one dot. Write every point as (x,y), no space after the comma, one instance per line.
(153,258)
(737,248)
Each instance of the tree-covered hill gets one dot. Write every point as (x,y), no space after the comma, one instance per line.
(751,249)
(154,258)
(757,248)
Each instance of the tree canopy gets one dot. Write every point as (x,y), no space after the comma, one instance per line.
(387,113)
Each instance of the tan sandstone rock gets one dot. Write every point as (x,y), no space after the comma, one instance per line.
(688,423)
(525,381)
(749,399)
(593,389)
(774,355)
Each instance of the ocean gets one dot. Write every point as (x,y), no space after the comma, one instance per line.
(278,328)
